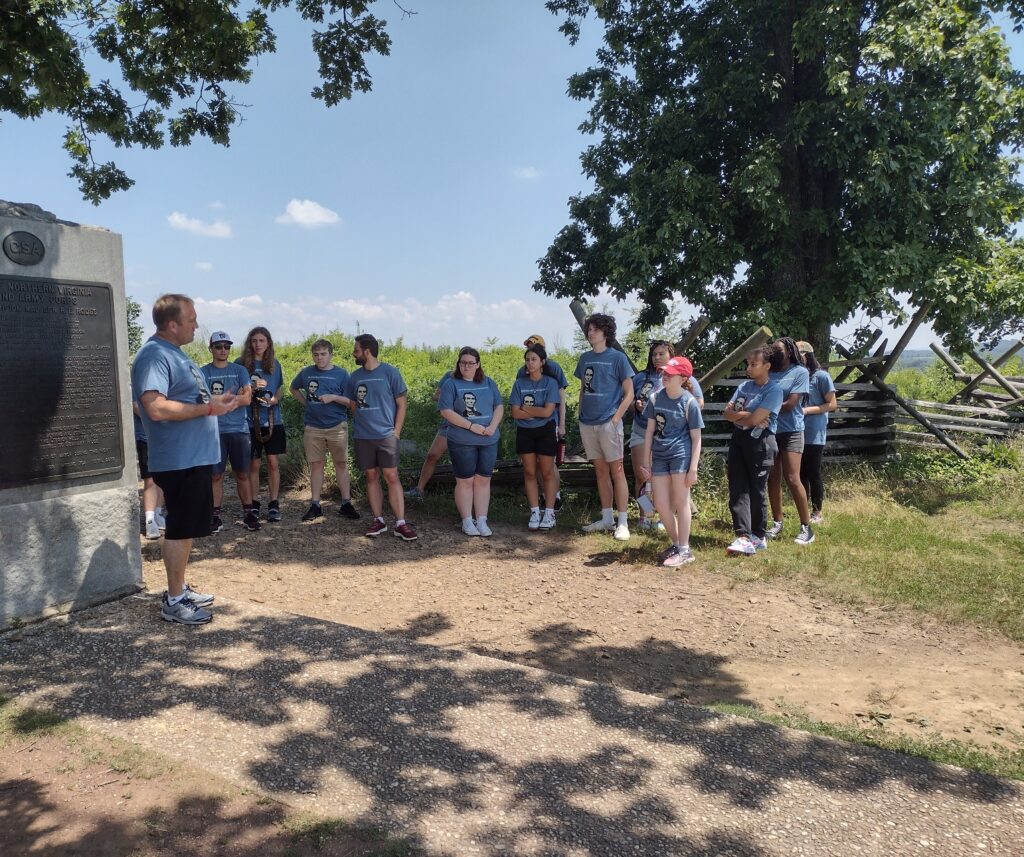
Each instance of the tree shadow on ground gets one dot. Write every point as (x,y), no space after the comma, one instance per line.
(415,735)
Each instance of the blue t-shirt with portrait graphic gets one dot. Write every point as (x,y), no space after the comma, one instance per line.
(275,381)
(316,383)
(536,394)
(374,394)
(795,379)
(475,401)
(749,396)
(601,376)
(164,368)
(646,385)
(816,425)
(674,419)
(230,379)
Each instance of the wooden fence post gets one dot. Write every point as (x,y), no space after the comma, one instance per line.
(579,312)
(734,357)
(691,334)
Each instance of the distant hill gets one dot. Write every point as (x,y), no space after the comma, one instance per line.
(918,358)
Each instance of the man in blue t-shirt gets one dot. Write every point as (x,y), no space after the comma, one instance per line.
(233,427)
(179,415)
(321,390)
(606,393)
(378,401)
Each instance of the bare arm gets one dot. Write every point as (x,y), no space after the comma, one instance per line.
(401,406)
(792,400)
(695,441)
(161,409)
(627,401)
(830,405)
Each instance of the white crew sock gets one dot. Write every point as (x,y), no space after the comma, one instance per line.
(608,516)
(623,519)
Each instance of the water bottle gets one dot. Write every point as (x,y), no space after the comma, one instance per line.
(560,451)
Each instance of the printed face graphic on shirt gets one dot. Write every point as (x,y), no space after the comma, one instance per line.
(469,403)
(659,427)
(528,400)
(588,380)
(645,390)
(311,389)
(361,396)
(204,394)
(217,388)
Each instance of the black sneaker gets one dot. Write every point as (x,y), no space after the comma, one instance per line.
(347,510)
(256,508)
(251,522)
(558,504)
(273,512)
(313,513)
(216,525)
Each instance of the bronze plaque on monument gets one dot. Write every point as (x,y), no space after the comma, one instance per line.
(61,416)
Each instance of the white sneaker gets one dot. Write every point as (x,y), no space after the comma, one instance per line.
(742,545)
(548,521)
(482,528)
(622,533)
(161,521)
(152,530)
(534,523)
(601,526)
(469,527)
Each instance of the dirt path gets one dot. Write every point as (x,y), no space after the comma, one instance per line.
(562,603)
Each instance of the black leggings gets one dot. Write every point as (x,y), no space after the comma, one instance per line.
(750,462)
(810,475)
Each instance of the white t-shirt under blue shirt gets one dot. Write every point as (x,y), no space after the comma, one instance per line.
(816,425)
(536,394)
(374,394)
(475,401)
(164,368)
(601,376)
(795,379)
(231,379)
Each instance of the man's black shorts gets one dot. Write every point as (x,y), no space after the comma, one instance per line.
(188,496)
(276,445)
(142,453)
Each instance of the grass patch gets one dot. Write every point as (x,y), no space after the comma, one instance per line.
(17,723)
(998,761)
(318,832)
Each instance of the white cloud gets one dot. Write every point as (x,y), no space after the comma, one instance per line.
(454,319)
(216,204)
(307,214)
(529,174)
(184,223)
(204,266)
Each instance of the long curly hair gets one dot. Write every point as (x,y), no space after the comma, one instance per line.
(249,356)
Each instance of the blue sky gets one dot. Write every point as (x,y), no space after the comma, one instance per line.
(417,210)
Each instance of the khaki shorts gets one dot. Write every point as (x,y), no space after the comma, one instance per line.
(602,441)
(317,442)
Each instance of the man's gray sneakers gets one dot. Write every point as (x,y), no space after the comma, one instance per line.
(185,612)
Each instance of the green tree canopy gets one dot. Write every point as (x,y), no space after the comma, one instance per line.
(790,161)
(171,63)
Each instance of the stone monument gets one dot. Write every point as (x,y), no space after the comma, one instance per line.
(69,505)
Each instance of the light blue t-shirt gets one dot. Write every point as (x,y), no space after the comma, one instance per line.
(673,421)
(750,397)
(795,379)
(315,383)
(816,425)
(275,381)
(601,376)
(536,394)
(476,402)
(559,374)
(646,385)
(140,429)
(232,378)
(174,444)
(374,394)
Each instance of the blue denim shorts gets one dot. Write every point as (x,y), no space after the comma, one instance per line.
(236,448)
(469,461)
(665,466)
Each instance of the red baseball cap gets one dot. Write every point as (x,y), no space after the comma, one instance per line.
(679,366)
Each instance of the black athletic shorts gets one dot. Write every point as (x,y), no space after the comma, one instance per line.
(142,453)
(276,445)
(537,441)
(188,496)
